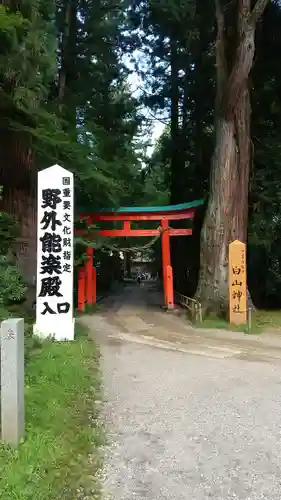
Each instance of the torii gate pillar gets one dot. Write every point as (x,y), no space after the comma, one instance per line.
(166,264)
(90,275)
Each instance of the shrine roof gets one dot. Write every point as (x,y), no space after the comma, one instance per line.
(156,209)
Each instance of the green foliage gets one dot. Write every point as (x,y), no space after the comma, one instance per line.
(26,61)
(96,104)
(12,288)
(8,232)
(64,86)
(157,173)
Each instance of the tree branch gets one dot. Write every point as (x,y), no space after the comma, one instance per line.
(257,11)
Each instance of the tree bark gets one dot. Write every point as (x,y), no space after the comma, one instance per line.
(227,212)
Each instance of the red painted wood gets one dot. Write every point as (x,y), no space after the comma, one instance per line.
(180,232)
(121,232)
(187,214)
(131,232)
(136,232)
(164,273)
(89,275)
(170,287)
(94,275)
(81,289)
(166,257)
(127,225)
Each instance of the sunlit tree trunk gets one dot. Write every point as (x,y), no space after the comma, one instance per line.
(227,213)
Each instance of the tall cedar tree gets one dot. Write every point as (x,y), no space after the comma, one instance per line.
(227,213)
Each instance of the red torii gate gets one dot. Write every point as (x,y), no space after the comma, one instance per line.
(87,273)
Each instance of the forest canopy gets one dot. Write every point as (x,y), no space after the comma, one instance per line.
(208,72)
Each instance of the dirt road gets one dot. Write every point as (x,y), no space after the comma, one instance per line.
(190,414)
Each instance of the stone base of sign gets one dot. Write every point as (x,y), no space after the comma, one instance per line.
(61,331)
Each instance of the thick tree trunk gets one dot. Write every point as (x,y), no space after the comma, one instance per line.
(215,235)
(227,212)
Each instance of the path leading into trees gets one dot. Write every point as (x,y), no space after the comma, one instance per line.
(190,413)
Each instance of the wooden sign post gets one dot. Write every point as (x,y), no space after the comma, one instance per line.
(237,283)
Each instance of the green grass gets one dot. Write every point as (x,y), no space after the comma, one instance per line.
(61,386)
(261,321)
(90,309)
(221,324)
(267,320)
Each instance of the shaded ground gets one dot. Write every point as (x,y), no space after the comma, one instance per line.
(188,414)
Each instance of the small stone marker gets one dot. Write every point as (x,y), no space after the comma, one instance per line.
(237,283)
(12,381)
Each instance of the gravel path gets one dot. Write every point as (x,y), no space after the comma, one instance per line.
(185,426)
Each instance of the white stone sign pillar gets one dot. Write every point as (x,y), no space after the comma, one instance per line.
(54,284)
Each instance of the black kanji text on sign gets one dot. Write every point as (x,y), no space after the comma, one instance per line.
(50,287)
(51,242)
(51,198)
(50,220)
(51,264)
